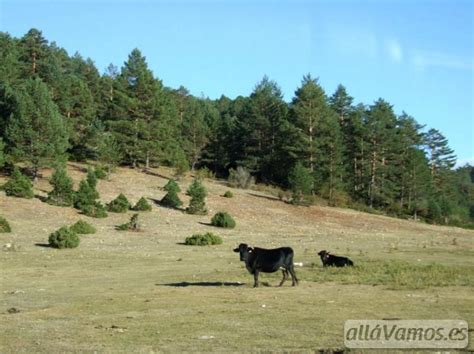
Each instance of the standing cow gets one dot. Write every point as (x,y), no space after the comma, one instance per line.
(268,261)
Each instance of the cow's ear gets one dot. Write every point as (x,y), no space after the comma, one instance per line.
(250,250)
(236,250)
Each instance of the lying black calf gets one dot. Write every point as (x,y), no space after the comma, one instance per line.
(334,261)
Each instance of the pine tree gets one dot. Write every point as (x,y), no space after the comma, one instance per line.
(194,131)
(308,108)
(319,144)
(9,59)
(87,194)
(382,147)
(441,161)
(341,103)
(441,156)
(171,198)
(300,181)
(62,193)
(18,185)
(198,194)
(259,130)
(34,48)
(36,132)
(144,119)
(76,104)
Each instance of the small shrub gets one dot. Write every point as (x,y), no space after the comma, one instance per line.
(96,210)
(241,178)
(205,173)
(223,219)
(64,238)
(119,204)
(132,225)
(198,194)
(82,227)
(4,225)
(91,178)
(18,186)
(100,172)
(228,194)
(203,239)
(62,193)
(142,205)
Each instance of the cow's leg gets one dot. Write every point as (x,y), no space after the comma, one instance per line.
(255,277)
(285,276)
(294,279)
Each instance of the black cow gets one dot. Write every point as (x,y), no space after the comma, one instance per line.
(329,260)
(268,261)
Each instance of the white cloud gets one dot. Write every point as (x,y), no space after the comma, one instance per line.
(353,41)
(425,60)
(394,50)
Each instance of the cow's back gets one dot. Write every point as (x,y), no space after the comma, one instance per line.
(270,260)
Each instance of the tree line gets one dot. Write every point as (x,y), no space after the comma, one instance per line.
(57,107)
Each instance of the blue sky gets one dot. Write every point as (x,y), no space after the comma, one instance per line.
(418,55)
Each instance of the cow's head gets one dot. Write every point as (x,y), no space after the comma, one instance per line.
(323,254)
(244,251)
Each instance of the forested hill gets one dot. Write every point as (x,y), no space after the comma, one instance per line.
(55,106)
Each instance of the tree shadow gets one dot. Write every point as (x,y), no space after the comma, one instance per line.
(265,197)
(184,284)
(206,224)
(157,202)
(155,174)
(78,167)
(41,198)
(44,245)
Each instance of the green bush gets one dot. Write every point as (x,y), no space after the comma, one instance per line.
(119,204)
(4,225)
(142,205)
(198,194)
(171,199)
(91,178)
(18,186)
(62,193)
(132,225)
(85,195)
(96,210)
(228,194)
(82,227)
(203,239)
(223,219)
(204,172)
(64,238)
(100,172)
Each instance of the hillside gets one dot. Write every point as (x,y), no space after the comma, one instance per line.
(147,291)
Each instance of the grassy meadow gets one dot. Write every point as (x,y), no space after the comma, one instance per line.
(147,292)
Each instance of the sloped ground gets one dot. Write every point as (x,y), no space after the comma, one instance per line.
(142,292)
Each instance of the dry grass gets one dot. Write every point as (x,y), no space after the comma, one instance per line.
(146,291)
